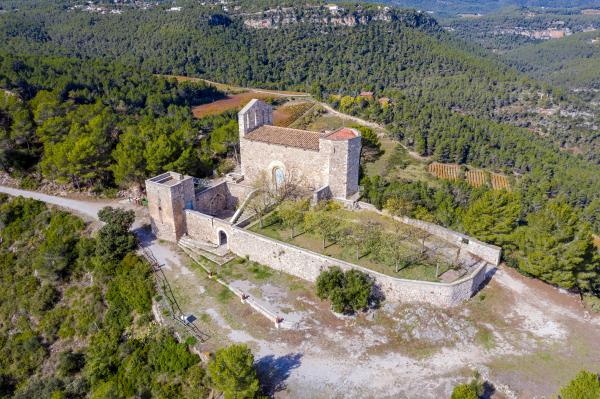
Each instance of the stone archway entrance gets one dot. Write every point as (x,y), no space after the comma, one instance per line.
(222,238)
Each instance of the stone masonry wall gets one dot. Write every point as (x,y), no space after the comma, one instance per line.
(206,228)
(354,149)
(166,203)
(305,167)
(255,114)
(308,265)
(220,197)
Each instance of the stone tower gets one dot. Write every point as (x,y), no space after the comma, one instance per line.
(255,114)
(169,195)
(342,148)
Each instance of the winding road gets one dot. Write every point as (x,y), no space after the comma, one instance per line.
(89,209)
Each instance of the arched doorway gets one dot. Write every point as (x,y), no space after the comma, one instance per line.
(222,238)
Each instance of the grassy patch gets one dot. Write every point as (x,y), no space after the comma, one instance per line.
(224,295)
(423,270)
(486,338)
(260,272)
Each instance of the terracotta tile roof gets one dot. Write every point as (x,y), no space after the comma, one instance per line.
(344,133)
(286,136)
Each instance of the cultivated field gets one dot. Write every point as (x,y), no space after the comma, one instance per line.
(499,182)
(475,177)
(287,114)
(444,170)
(232,101)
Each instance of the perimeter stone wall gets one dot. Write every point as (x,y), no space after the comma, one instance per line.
(308,265)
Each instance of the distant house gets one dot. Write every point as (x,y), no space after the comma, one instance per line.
(366,94)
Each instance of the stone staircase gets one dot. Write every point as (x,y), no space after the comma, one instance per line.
(215,253)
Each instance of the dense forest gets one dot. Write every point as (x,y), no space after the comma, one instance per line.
(453,7)
(570,62)
(76,317)
(312,49)
(97,124)
(89,112)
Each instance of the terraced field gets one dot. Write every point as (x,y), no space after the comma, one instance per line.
(475,177)
(232,101)
(287,114)
(444,170)
(499,182)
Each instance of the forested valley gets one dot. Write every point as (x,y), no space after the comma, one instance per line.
(522,38)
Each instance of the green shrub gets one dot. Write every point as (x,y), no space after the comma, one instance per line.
(29,183)
(585,385)
(592,302)
(472,390)
(348,291)
(70,362)
(464,391)
(232,372)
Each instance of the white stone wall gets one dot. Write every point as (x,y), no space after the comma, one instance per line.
(307,168)
(206,228)
(308,265)
(488,252)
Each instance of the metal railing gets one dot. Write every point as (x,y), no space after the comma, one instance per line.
(164,289)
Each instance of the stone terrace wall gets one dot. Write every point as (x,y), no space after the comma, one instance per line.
(308,265)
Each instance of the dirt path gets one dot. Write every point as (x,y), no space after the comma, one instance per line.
(88,209)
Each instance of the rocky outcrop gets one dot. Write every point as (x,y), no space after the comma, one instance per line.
(281,17)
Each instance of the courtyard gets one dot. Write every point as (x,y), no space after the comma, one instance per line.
(409,253)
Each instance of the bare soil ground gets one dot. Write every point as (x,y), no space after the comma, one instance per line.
(523,336)
(232,101)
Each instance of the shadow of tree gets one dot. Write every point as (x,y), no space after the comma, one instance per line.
(274,371)
(488,390)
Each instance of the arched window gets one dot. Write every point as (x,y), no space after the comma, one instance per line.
(278,177)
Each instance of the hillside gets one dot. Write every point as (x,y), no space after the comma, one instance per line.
(448,99)
(76,318)
(559,46)
(474,8)
(314,48)
(571,62)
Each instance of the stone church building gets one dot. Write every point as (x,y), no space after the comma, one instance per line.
(326,164)
(311,159)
